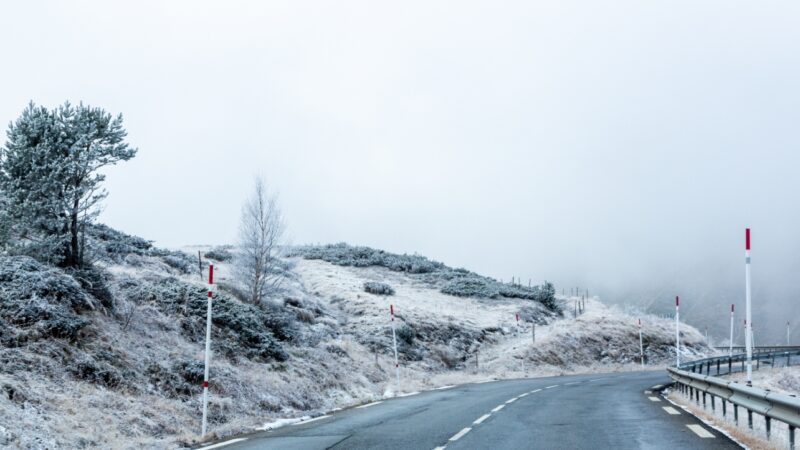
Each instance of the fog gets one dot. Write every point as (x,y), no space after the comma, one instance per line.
(619,146)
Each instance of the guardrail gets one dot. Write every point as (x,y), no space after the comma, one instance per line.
(783,408)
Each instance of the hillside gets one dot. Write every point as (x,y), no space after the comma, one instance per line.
(113,357)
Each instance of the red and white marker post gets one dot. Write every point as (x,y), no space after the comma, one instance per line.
(641,345)
(208,349)
(677,332)
(394,340)
(730,352)
(747,309)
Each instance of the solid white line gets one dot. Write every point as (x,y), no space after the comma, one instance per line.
(512,400)
(481,419)
(407,395)
(460,434)
(654,399)
(484,381)
(551,387)
(312,420)
(498,408)
(369,404)
(671,410)
(443,387)
(535,391)
(700,431)
(222,444)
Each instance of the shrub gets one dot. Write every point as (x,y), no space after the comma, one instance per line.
(471,287)
(345,255)
(406,334)
(377,288)
(220,254)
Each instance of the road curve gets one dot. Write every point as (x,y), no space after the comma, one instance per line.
(598,411)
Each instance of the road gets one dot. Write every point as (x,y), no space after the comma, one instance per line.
(609,411)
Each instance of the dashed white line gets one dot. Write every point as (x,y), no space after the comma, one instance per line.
(312,420)
(700,431)
(524,395)
(512,400)
(369,404)
(551,387)
(574,382)
(654,399)
(535,391)
(440,448)
(481,419)
(222,444)
(460,434)
(672,411)
(648,392)
(498,408)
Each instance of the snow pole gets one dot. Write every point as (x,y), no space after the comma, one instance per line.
(677,332)
(208,349)
(747,310)
(730,351)
(641,345)
(394,340)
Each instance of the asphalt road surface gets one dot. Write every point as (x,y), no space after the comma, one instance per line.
(608,411)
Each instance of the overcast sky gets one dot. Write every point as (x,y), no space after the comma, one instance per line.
(609,144)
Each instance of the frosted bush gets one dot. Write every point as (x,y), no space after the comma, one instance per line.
(221,254)
(378,288)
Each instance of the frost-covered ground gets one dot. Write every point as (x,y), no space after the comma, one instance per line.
(125,372)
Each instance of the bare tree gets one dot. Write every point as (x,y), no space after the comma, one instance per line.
(260,233)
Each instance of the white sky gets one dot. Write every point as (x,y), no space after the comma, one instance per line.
(594,143)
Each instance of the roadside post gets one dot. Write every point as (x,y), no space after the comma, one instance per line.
(730,351)
(677,332)
(748,311)
(208,349)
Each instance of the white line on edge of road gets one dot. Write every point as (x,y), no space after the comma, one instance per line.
(498,408)
(370,404)
(700,431)
(444,387)
(460,434)
(671,410)
(654,399)
(481,419)
(551,387)
(409,394)
(311,420)
(222,444)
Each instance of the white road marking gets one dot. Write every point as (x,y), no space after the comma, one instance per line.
(443,387)
(524,395)
(574,382)
(551,387)
(512,400)
(658,386)
(312,420)
(700,431)
(498,408)
(441,448)
(648,392)
(484,381)
(222,444)
(535,391)
(654,399)
(481,419)
(596,379)
(460,434)
(407,395)
(671,410)
(369,404)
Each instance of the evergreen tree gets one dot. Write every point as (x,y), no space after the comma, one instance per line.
(50,180)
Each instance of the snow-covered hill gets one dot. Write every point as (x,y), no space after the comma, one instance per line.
(121,366)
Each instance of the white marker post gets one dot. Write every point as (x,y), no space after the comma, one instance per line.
(641,345)
(394,339)
(730,352)
(747,309)
(208,349)
(677,332)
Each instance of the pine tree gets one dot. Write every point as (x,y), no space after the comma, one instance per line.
(50,180)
